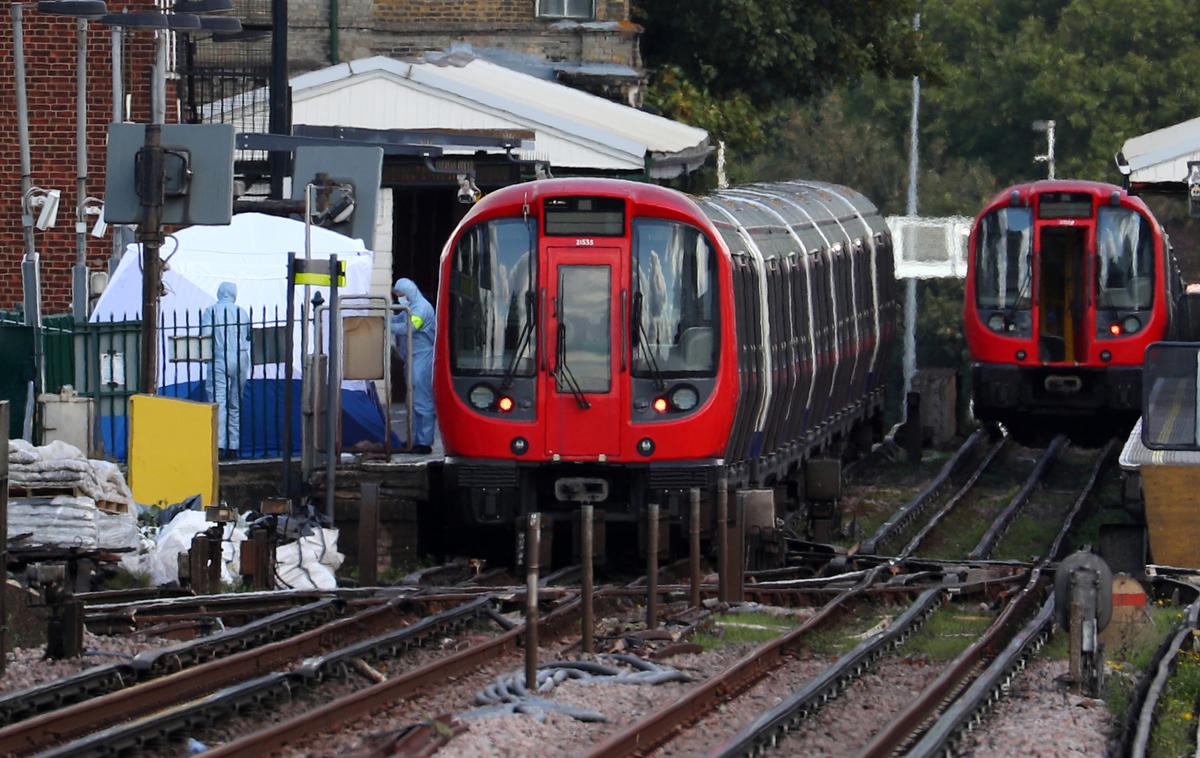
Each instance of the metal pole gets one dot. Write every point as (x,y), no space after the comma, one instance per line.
(307,257)
(332,386)
(722,536)
(278,119)
(652,566)
(118,105)
(589,625)
(694,534)
(158,90)
(910,293)
(30,269)
(533,535)
(288,403)
(150,235)
(79,274)
(3,537)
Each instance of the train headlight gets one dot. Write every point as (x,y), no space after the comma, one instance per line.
(661,405)
(996,322)
(482,397)
(1114,330)
(685,398)
(1131,324)
(505,404)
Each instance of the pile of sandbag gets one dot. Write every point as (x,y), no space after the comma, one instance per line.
(62,466)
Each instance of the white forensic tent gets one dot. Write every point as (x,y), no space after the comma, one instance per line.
(250,252)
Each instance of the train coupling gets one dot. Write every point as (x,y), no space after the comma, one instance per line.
(1060,384)
(580,489)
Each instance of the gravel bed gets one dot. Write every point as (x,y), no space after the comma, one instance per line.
(711,731)
(847,724)
(1042,717)
(27,666)
(454,697)
(517,736)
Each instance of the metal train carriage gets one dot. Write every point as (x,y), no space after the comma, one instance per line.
(1067,283)
(623,343)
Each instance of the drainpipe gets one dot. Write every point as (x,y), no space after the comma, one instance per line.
(334,58)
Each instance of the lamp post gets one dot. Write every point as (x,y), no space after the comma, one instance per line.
(1046,126)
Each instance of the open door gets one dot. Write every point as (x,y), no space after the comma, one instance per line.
(1063,288)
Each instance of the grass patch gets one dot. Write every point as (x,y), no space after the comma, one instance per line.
(743,629)
(127,580)
(845,637)
(1176,722)
(961,530)
(948,632)
(1133,656)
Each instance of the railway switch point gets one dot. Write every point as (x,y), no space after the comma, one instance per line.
(1084,606)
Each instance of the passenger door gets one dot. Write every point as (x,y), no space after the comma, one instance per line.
(585,360)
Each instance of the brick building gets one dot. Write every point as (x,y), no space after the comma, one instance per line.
(589,44)
(50,66)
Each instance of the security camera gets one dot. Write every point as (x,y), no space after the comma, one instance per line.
(95,207)
(99,228)
(468,193)
(48,216)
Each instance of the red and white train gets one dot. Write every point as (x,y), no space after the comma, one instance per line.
(1067,284)
(628,342)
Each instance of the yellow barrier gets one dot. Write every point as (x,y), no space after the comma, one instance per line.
(172,450)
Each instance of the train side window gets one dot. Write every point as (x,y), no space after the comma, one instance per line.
(1003,276)
(1124,260)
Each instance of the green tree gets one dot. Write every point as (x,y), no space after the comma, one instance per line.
(731,64)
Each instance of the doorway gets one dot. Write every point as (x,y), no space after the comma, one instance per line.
(1062,295)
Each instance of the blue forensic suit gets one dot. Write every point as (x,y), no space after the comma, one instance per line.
(229,327)
(424,330)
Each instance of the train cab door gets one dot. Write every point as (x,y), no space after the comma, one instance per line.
(1063,293)
(583,348)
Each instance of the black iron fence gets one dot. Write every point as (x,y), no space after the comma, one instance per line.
(236,358)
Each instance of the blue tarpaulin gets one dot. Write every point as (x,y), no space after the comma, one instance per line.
(262,418)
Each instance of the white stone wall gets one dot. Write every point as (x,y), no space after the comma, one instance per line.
(381,274)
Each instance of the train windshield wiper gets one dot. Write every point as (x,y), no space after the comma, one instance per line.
(642,342)
(563,372)
(523,342)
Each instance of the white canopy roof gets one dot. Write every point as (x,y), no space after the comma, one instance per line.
(573,129)
(251,252)
(1163,155)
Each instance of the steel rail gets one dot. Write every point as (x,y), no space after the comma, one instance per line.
(902,518)
(902,731)
(807,701)
(360,703)
(1140,744)
(954,500)
(919,723)
(96,681)
(78,719)
(180,719)
(1001,523)
(966,712)
(657,727)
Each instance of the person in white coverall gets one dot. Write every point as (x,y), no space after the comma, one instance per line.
(424,328)
(229,327)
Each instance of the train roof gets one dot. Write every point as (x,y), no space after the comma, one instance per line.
(639,192)
(1041,186)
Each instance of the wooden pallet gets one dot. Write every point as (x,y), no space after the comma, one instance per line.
(113,507)
(42,490)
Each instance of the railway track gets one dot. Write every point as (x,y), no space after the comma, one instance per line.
(767,730)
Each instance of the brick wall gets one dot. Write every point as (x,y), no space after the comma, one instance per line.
(50,82)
